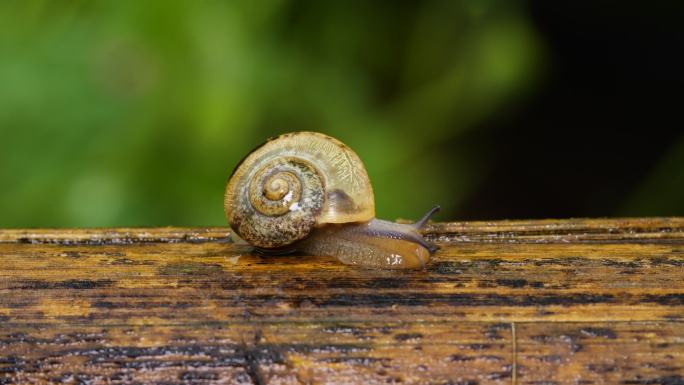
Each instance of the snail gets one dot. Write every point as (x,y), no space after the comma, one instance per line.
(310,193)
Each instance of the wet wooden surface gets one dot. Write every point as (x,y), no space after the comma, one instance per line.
(525,302)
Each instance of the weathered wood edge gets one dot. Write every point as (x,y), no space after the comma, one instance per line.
(117,235)
(661,229)
(638,230)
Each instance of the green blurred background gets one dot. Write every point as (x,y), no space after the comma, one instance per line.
(135,112)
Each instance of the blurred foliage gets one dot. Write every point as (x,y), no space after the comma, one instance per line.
(662,192)
(135,112)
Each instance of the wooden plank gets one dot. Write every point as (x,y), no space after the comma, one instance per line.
(536,302)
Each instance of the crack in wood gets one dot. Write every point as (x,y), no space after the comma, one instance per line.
(514,367)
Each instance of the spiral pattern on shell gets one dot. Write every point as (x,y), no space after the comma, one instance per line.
(279,204)
(292,183)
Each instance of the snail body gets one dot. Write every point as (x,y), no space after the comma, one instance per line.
(309,192)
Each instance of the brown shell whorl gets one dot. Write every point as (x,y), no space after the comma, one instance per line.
(290,184)
(278,203)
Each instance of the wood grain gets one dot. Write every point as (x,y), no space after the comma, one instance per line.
(512,302)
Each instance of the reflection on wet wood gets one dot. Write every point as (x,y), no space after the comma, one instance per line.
(526,302)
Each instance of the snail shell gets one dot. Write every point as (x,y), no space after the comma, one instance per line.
(309,192)
(293,183)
